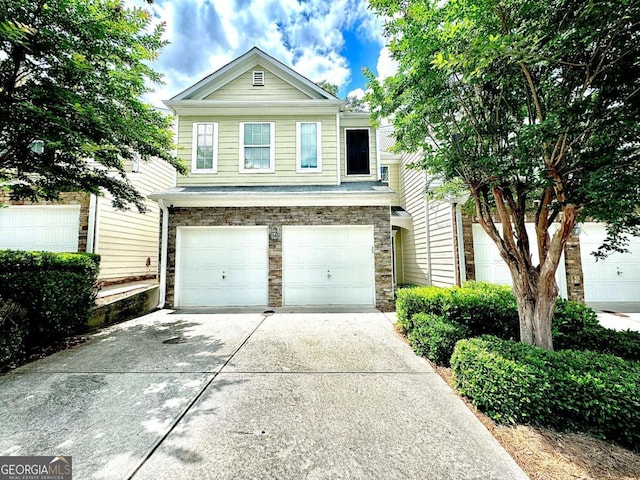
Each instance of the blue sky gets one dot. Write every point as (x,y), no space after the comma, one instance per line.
(321,39)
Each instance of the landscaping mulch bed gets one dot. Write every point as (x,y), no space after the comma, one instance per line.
(549,455)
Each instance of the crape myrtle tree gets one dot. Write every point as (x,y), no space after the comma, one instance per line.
(72,74)
(534,106)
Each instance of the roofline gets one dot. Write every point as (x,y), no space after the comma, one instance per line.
(268,58)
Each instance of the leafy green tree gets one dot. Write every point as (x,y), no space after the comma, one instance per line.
(327,86)
(72,73)
(535,105)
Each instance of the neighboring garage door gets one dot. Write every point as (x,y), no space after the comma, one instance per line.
(222,266)
(53,227)
(328,265)
(490,266)
(614,279)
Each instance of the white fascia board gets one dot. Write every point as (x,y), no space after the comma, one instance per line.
(271,107)
(276,200)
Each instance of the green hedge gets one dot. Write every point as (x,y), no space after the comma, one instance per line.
(435,336)
(487,309)
(57,291)
(576,327)
(483,308)
(578,391)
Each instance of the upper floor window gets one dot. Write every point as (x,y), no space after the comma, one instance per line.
(257,147)
(357,151)
(205,146)
(308,147)
(384,174)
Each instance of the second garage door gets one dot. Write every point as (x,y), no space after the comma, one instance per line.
(222,266)
(328,265)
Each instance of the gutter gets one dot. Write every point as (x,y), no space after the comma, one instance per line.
(92,223)
(163,253)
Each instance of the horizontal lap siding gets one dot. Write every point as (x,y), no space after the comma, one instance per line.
(285,151)
(126,239)
(414,241)
(441,244)
(242,88)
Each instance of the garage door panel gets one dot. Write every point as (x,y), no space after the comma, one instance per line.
(613,279)
(328,265)
(222,266)
(53,228)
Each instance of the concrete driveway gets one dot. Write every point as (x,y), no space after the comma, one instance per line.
(235,396)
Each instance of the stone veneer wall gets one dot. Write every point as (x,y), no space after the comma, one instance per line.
(278,217)
(66,198)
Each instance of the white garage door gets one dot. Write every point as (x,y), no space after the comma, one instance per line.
(53,228)
(490,266)
(328,265)
(614,279)
(222,266)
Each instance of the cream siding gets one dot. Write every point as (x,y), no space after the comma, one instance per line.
(126,239)
(285,151)
(441,244)
(414,240)
(349,122)
(394,181)
(242,88)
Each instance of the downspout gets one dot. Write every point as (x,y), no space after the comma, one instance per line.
(461,260)
(92,223)
(338,146)
(163,253)
(427,223)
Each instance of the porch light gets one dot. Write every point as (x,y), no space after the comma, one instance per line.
(274,233)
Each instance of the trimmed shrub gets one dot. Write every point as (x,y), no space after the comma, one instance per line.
(13,321)
(410,301)
(483,308)
(579,391)
(56,289)
(434,337)
(576,327)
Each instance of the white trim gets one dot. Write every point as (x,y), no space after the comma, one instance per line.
(318,167)
(91,222)
(257,78)
(272,148)
(338,172)
(253,107)
(346,152)
(163,253)
(194,149)
(279,199)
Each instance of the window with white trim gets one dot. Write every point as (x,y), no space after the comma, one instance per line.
(257,147)
(384,174)
(308,147)
(205,148)
(357,140)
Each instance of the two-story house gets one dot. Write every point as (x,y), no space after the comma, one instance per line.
(282,204)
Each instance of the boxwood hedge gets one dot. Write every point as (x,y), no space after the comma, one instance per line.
(578,391)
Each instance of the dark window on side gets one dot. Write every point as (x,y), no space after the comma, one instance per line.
(357,152)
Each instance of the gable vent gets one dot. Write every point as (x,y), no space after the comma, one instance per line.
(258,78)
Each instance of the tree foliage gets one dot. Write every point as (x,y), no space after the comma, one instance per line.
(535,105)
(72,73)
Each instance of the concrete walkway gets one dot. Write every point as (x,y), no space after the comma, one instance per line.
(236,396)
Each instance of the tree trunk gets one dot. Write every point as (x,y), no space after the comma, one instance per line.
(535,297)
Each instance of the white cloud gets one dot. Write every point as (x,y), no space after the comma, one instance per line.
(357,93)
(308,36)
(386,66)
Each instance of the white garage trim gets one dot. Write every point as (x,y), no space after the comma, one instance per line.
(52,228)
(222,266)
(328,265)
(614,279)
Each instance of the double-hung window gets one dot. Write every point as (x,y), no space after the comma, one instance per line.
(257,147)
(308,147)
(205,148)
